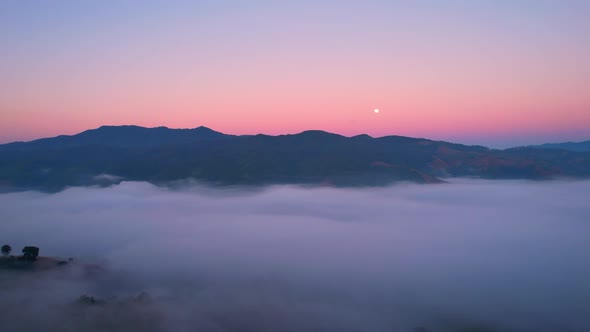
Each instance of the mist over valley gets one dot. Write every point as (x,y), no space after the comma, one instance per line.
(469,255)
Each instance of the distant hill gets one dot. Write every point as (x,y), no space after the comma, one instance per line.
(162,155)
(125,137)
(570,146)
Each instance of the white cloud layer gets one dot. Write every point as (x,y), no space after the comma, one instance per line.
(507,255)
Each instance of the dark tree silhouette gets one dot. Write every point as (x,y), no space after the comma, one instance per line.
(30,253)
(6,249)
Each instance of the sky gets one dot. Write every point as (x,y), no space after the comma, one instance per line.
(496,73)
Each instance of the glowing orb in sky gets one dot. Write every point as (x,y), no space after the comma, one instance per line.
(376,110)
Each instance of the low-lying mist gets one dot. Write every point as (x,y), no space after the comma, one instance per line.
(470,255)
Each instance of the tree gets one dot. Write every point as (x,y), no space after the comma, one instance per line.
(30,253)
(6,249)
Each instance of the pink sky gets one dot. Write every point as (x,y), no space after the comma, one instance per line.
(496,75)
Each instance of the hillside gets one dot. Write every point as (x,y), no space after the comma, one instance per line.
(160,155)
(570,146)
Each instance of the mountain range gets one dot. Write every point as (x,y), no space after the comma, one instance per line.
(111,154)
(570,146)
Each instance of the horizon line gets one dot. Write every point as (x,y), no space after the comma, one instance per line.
(278,135)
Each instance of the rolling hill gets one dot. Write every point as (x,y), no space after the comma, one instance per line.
(161,155)
(570,146)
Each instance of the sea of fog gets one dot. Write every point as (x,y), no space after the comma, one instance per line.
(468,256)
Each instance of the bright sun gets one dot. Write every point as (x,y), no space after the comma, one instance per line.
(376,110)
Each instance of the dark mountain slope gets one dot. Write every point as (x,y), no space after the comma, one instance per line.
(570,146)
(123,137)
(161,155)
